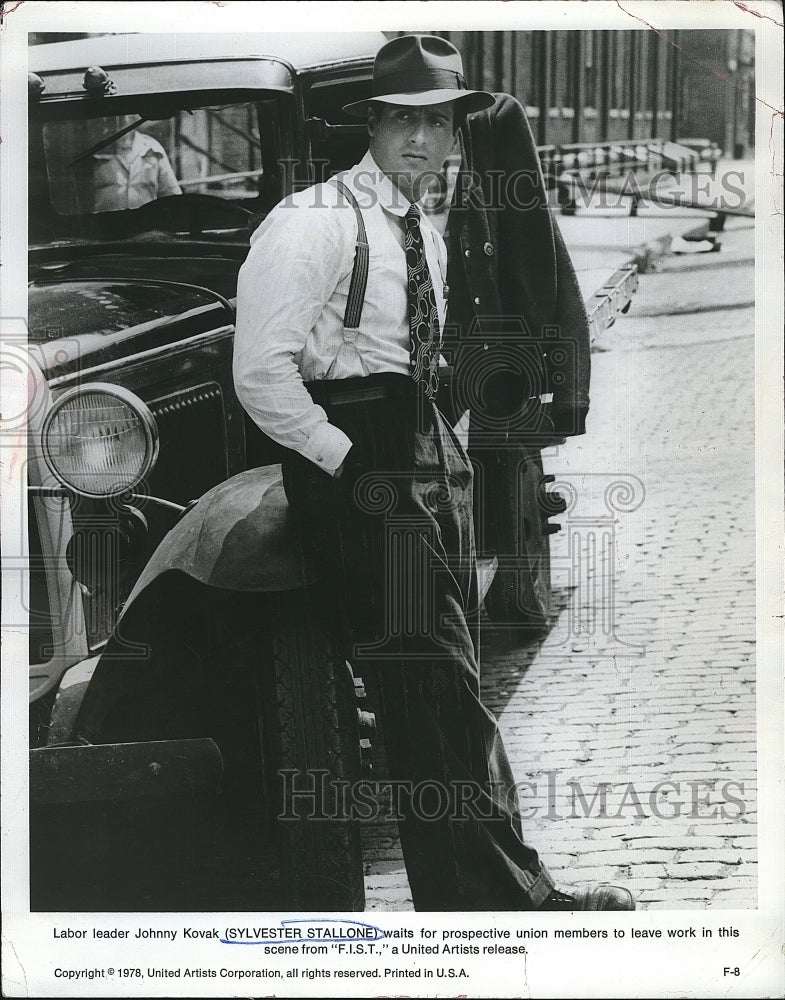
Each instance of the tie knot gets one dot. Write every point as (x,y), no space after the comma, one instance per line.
(413,217)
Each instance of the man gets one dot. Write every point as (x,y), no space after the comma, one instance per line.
(131,172)
(516,328)
(378,480)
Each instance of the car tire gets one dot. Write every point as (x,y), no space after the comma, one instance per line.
(261,675)
(313,752)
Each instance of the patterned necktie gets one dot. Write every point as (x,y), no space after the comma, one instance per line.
(423,317)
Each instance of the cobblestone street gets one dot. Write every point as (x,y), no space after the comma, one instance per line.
(631,726)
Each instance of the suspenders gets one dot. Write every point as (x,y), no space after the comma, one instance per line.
(359,279)
(357,286)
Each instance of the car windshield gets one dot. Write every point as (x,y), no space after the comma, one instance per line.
(119,162)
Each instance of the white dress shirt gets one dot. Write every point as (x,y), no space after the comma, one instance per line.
(291,299)
(136,171)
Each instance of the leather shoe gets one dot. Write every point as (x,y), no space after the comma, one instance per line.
(593,896)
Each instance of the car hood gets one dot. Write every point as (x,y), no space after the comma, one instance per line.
(78,324)
(212,261)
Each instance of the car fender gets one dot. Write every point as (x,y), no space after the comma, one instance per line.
(240,536)
(70,695)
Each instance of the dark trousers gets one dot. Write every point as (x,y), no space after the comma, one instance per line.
(395,534)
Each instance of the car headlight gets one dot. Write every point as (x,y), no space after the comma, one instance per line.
(100,440)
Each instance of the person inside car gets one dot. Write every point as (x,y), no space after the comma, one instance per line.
(340,310)
(131,172)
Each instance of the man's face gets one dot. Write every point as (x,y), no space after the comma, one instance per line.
(410,144)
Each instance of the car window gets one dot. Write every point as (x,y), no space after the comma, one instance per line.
(336,151)
(213,150)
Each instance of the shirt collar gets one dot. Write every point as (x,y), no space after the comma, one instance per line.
(142,144)
(373,187)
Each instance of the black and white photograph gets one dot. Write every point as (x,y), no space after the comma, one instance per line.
(392,516)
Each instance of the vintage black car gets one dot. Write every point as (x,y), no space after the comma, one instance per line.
(222,671)
(184,672)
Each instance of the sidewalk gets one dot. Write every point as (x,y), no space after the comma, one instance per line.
(632,725)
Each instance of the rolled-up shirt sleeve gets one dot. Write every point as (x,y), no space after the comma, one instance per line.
(167,182)
(297,258)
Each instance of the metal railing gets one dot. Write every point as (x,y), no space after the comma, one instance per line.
(572,168)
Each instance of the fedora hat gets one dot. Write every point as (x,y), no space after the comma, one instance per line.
(420,70)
